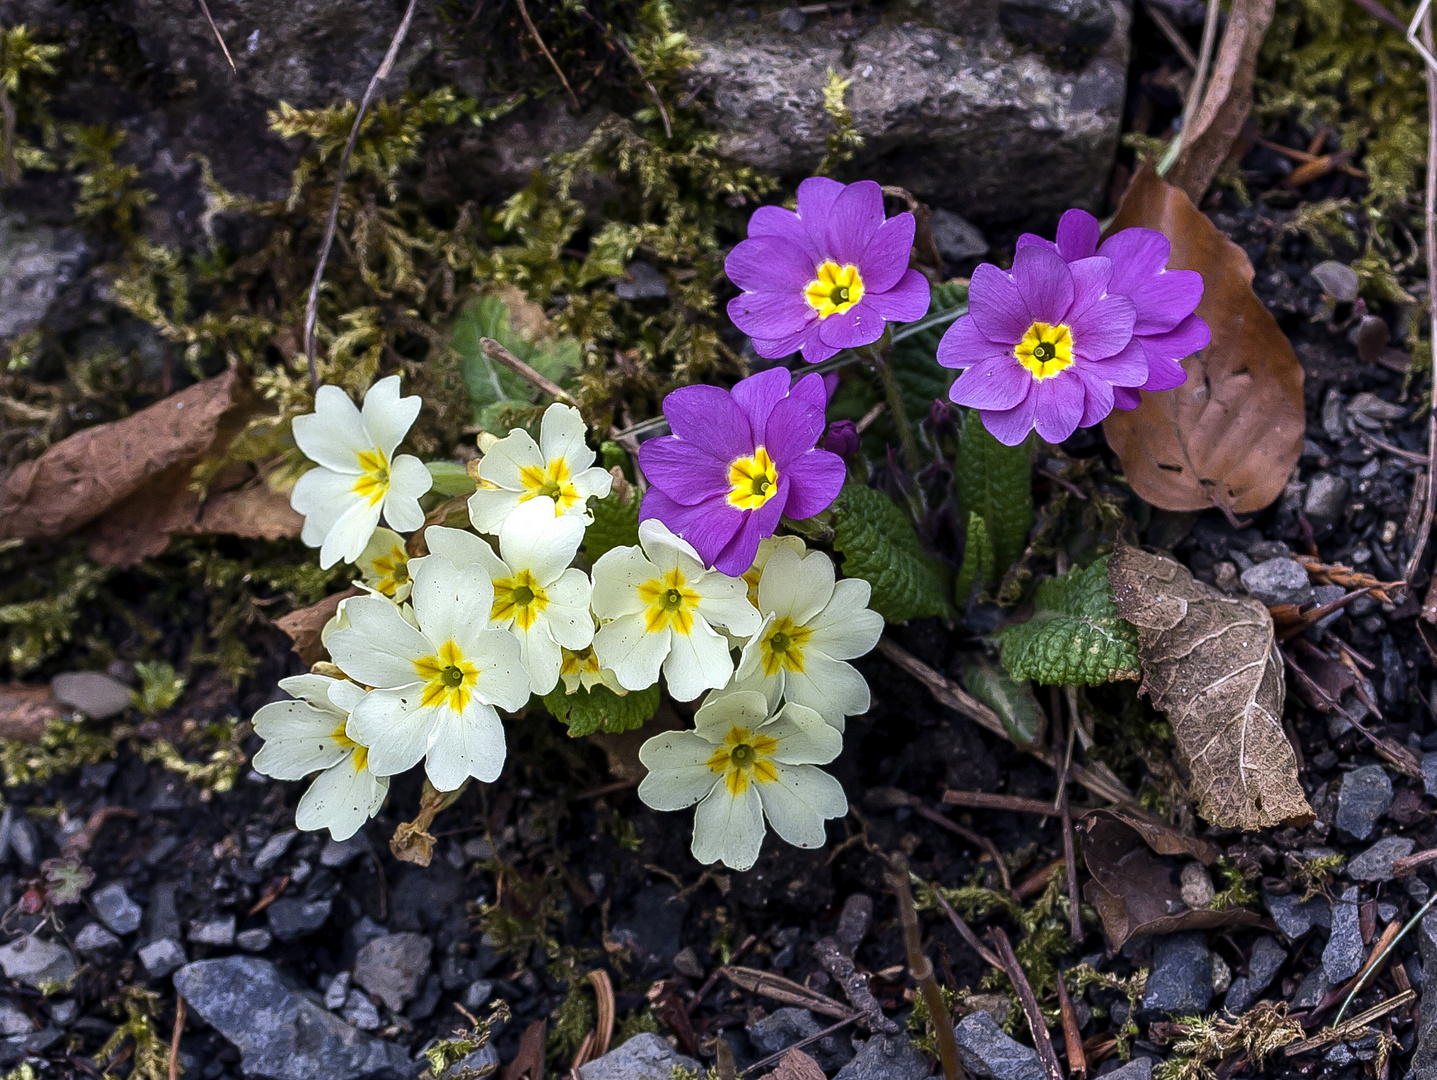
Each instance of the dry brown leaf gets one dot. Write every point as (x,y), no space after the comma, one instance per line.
(79,478)
(1163,839)
(25,710)
(1228,99)
(528,1063)
(1137,892)
(796,1065)
(304,626)
(1211,663)
(1230,436)
(412,841)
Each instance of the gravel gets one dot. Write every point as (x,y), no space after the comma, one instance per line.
(217,930)
(644,1057)
(1375,864)
(783,1027)
(1363,798)
(12,1020)
(393,967)
(1424,1061)
(162,957)
(886,1057)
(992,1055)
(1343,955)
(94,938)
(1278,581)
(1295,916)
(256,940)
(115,909)
(1181,979)
(96,695)
(274,850)
(37,962)
(292,919)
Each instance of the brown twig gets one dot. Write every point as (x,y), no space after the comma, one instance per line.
(1171,32)
(1409,863)
(921,969)
(964,930)
(989,848)
(854,984)
(1014,970)
(224,49)
(1424,533)
(777,988)
(1070,862)
(1361,1020)
(983,800)
(765,1062)
(175,1037)
(617,40)
(534,33)
(311,311)
(1382,15)
(1072,1036)
(714,976)
(1037,881)
(494,351)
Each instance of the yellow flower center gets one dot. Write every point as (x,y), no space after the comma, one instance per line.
(754,480)
(744,758)
(668,603)
(449,678)
(834,290)
(1046,350)
(520,597)
(373,480)
(782,646)
(391,571)
(581,663)
(552,481)
(360,753)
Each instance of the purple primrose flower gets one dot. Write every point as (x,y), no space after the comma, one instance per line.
(827,277)
(1166,327)
(737,461)
(1044,347)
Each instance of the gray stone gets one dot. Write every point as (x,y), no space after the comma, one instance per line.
(1321,595)
(956,238)
(1068,27)
(38,963)
(337,992)
(393,967)
(644,1057)
(1180,982)
(1240,996)
(115,909)
(642,283)
(423,1006)
(483,1062)
(792,20)
(1338,280)
(162,957)
(37,263)
(1429,773)
(162,918)
(1343,954)
(274,849)
(340,853)
(25,841)
(476,994)
(13,1021)
(653,932)
(1326,498)
(990,1054)
(1375,864)
(256,940)
(1312,990)
(783,1027)
(360,1011)
(64,1012)
(1140,1068)
(291,918)
(93,693)
(219,930)
(94,938)
(886,1057)
(1363,798)
(18,1047)
(962,118)
(1424,1060)
(280,1032)
(1221,974)
(1264,963)
(1278,581)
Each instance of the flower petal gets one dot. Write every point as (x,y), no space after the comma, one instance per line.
(1045,283)
(814,350)
(1090,281)
(333,435)
(395,728)
(502,463)
(488,507)
(853,221)
(770,314)
(996,305)
(570,622)
(539,654)
(450,602)
(633,654)
(709,526)
(885,259)
(710,419)
(341,800)
(299,739)
(859,325)
(816,197)
(799,801)
(1011,426)
(781,223)
(678,772)
(1077,235)
(770,264)
(1167,299)
(728,829)
(387,416)
(322,496)
(832,688)
(408,480)
(1104,329)
(805,339)
(795,587)
(803,736)
(811,388)
(378,648)
(465,744)
(1138,254)
(1059,406)
(349,535)
(1189,336)
(793,429)
(533,539)
(618,573)
(847,627)
(1164,375)
(1126,398)
(724,602)
(697,661)
(1127,368)
(814,479)
(964,345)
(463,548)
(737,555)
(906,302)
(758,394)
(997,382)
(1097,397)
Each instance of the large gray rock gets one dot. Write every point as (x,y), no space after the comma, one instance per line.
(1181,979)
(37,263)
(1375,864)
(992,1055)
(1295,916)
(948,106)
(644,1057)
(886,1057)
(392,967)
(38,962)
(1424,1060)
(281,1033)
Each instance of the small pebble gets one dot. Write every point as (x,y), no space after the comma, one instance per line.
(337,992)
(257,940)
(94,938)
(477,993)
(360,1012)
(162,957)
(274,849)
(115,909)
(219,930)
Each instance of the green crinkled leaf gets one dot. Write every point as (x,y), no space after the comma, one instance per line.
(977,569)
(1025,721)
(600,709)
(492,387)
(615,524)
(1075,636)
(921,379)
(879,545)
(996,483)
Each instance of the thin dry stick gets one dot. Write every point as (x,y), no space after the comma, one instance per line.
(218,37)
(494,351)
(1072,1036)
(175,1038)
(921,968)
(989,848)
(1171,32)
(763,1062)
(534,33)
(964,930)
(1425,531)
(1042,1042)
(610,35)
(311,311)
(984,800)
(1199,86)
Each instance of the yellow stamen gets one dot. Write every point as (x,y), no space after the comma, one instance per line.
(391,571)
(373,481)
(360,753)
(754,480)
(668,603)
(782,646)
(835,289)
(449,678)
(1046,350)
(744,758)
(520,597)
(553,481)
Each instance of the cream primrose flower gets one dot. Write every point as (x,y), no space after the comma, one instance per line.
(740,764)
(308,735)
(658,606)
(581,668)
(538,596)
(812,624)
(358,476)
(559,467)
(766,547)
(437,683)
(385,565)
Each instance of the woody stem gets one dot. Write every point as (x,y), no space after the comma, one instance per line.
(911,457)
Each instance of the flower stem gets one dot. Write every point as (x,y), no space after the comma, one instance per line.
(878,358)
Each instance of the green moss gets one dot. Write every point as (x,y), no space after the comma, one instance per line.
(64,746)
